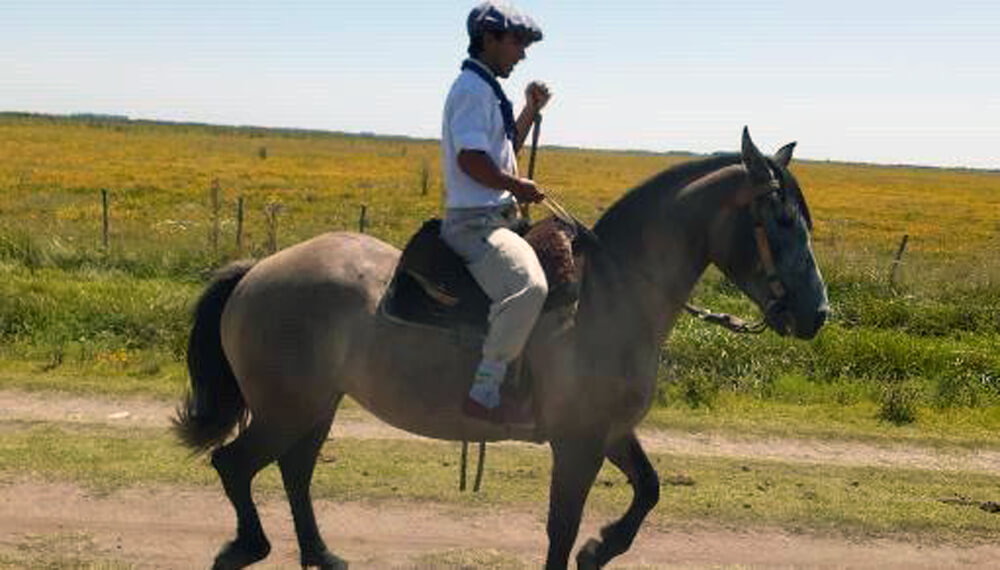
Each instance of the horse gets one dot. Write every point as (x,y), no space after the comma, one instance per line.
(283,340)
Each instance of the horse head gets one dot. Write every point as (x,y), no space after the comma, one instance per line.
(761,241)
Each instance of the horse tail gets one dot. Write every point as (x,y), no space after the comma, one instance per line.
(214,404)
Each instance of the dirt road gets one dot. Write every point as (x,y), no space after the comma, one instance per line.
(47,524)
(171,528)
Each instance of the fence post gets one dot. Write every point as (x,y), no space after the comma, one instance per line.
(425,177)
(271,213)
(897,260)
(213,236)
(239,225)
(362,221)
(104,232)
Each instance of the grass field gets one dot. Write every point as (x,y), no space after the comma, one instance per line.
(74,315)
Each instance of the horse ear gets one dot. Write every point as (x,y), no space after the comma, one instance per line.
(754,161)
(784,154)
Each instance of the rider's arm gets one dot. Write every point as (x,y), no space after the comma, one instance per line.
(536,96)
(481,168)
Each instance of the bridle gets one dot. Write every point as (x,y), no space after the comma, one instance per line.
(777,293)
(776,289)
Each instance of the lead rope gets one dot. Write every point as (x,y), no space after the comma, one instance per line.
(725,320)
(463,467)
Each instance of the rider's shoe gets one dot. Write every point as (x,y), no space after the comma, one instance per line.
(509,412)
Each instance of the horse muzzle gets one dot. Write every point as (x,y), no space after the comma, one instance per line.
(778,317)
(784,321)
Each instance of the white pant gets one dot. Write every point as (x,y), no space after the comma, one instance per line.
(507,269)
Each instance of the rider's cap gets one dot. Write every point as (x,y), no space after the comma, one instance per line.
(494,16)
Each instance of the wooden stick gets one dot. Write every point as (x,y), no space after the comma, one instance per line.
(479,467)
(535,133)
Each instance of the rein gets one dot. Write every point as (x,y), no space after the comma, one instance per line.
(726,321)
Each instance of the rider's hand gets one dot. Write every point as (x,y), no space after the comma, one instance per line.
(536,96)
(526,192)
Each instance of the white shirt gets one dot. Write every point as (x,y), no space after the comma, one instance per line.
(472,121)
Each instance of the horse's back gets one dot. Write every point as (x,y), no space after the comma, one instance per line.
(344,260)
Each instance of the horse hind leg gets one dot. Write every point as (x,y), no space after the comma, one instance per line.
(616,538)
(297,466)
(237,463)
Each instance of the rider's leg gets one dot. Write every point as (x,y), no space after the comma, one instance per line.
(507,269)
(510,274)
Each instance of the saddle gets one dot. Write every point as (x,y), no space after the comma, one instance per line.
(432,285)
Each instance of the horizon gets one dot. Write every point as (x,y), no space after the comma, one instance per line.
(86,116)
(912,83)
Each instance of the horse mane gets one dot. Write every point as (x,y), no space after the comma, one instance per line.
(620,217)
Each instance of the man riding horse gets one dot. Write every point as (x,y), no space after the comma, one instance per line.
(283,340)
(479,142)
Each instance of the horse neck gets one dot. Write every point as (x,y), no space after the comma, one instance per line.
(650,261)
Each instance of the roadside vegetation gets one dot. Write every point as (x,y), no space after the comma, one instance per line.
(914,352)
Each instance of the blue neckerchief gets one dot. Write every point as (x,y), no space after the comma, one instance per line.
(506,109)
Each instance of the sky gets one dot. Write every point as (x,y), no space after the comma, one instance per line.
(882,81)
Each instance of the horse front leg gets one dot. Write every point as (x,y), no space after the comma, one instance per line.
(575,463)
(628,455)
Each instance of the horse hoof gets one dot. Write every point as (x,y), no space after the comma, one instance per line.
(236,555)
(324,560)
(586,559)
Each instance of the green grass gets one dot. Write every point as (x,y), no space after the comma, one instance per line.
(88,379)
(733,493)
(745,416)
(93,330)
(53,307)
(843,365)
